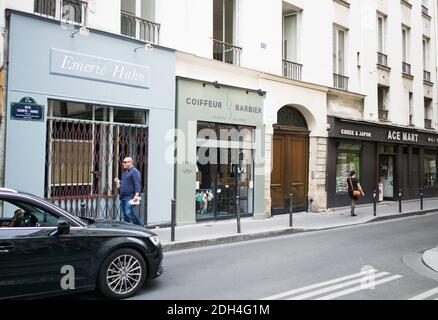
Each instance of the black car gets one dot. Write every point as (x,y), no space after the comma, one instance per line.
(45,251)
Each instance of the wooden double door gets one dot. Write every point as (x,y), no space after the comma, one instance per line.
(290,172)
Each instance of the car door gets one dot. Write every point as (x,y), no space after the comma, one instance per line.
(35,260)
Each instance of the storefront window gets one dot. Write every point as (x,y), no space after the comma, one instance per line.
(346,161)
(430,172)
(218,183)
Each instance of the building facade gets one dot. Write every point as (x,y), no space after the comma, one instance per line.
(326,70)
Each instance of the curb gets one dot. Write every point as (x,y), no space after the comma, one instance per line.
(230,239)
(168,247)
(430,259)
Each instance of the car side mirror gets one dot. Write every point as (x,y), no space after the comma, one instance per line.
(63,227)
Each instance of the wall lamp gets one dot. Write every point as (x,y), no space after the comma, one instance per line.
(83,31)
(147,47)
(260,92)
(216,84)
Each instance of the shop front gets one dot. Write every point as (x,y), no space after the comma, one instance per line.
(77,106)
(220,146)
(387,159)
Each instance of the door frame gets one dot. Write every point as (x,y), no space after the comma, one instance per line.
(290,132)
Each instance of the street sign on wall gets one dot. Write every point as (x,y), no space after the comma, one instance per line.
(27,109)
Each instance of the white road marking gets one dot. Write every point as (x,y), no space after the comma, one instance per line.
(336,287)
(359,288)
(425,295)
(321,284)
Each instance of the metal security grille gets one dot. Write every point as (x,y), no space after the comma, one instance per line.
(82,160)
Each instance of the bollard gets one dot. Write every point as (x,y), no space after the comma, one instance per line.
(173,220)
(291,208)
(421,198)
(82,209)
(238,213)
(400,200)
(375,202)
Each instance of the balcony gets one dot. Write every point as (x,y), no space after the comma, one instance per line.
(406,69)
(139,28)
(424,10)
(226,52)
(428,123)
(426,76)
(292,70)
(340,82)
(382,59)
(383,115)
(72,11)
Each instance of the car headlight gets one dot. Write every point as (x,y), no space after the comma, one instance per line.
(155,240)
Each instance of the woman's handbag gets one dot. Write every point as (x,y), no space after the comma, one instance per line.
(356,193)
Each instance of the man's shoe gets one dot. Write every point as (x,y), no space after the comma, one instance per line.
(354,215)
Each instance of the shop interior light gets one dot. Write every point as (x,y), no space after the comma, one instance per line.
(83,31)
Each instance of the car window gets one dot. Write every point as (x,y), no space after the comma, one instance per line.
(24,214)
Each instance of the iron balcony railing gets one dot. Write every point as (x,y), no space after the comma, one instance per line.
(226,52)
(340,81)
(139,28)
(383,114)
(382,59)
(406,68)
(411,120)
(73,11)
(426,76)
(428,123)
(424,9)
(292,70)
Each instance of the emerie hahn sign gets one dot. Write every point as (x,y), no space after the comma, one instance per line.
(84,66)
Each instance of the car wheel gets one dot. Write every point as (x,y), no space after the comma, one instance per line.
(122,274)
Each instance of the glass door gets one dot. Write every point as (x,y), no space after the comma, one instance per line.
(387,175)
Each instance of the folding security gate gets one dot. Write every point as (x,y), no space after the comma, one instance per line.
(82,160)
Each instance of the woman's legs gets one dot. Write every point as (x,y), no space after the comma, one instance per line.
(353,206)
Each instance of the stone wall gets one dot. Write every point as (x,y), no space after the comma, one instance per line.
(317,173)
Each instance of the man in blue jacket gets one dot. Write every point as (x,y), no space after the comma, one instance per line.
(129,189)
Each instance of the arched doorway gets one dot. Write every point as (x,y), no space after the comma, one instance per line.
(290,161)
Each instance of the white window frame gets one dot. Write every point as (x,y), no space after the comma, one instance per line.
(298,36)
(406,44)
(381,38)
(336,49)
(426,54)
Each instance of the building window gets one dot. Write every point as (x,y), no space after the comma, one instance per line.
(405,45)
(383,102)
(339,44)
(224,173)
(428,113)
(382,58)
(86,145)
(347,159)
(67,10)
(291,19)
(430,177)
(137,18)
(225,31)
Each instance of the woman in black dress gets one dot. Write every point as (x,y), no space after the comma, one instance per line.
(353,185)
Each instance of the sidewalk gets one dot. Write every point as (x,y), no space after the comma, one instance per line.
(220,232)
(430,259)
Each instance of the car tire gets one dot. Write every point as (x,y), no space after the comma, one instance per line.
(122,274)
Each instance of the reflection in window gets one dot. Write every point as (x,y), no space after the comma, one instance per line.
(430,172)
(345,162)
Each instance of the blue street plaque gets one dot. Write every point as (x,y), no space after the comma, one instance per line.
(27,109)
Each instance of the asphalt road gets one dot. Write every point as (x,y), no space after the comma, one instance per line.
(331,264)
